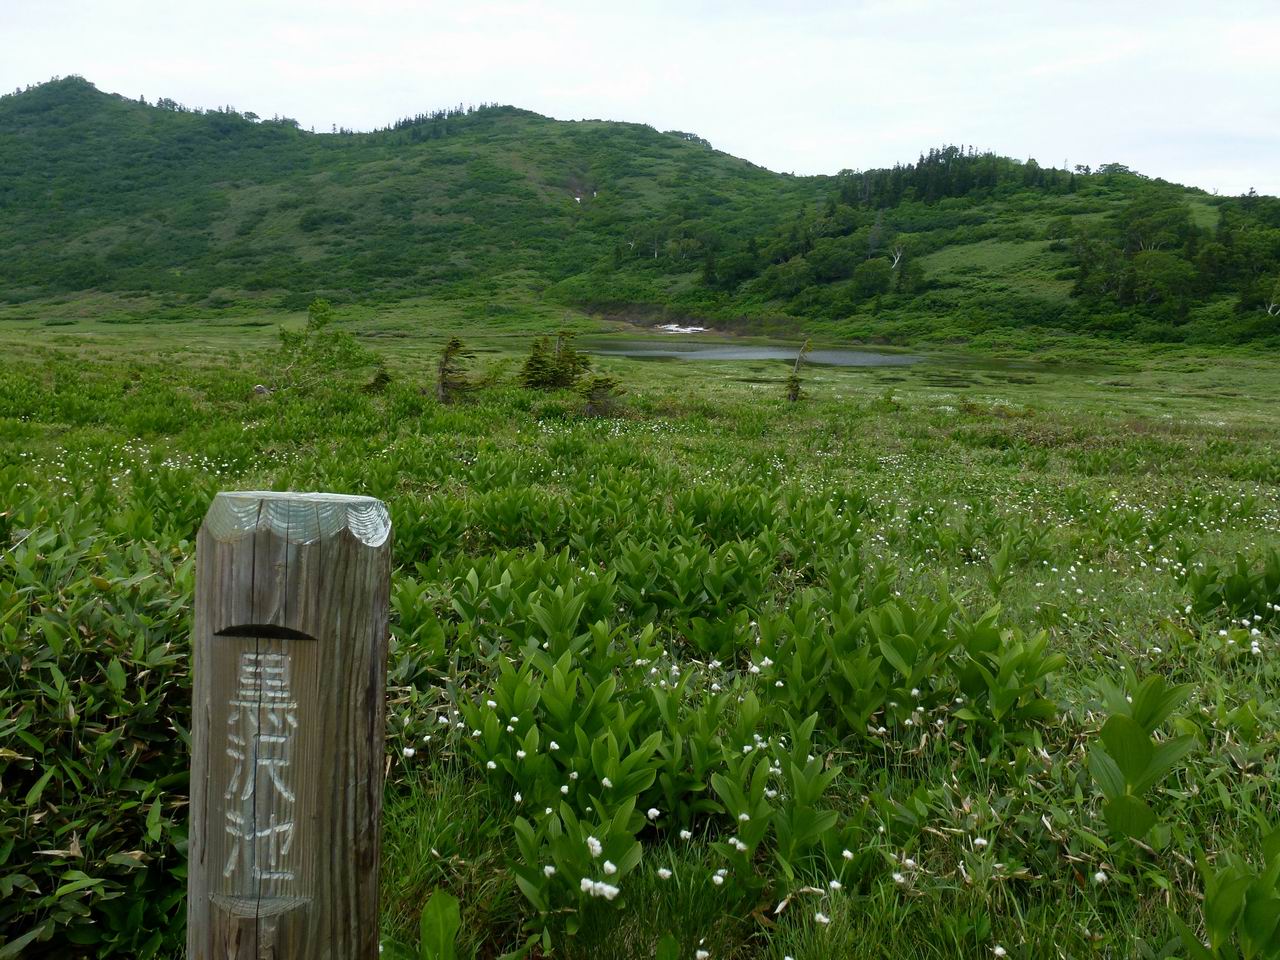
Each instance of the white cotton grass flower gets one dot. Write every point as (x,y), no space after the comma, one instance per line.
(609,868)
(822,918)
(701,955)
(686,834)
(585,884)
(979,842)
(899,878)
(744,817)
(520,754)
(847,854)
(595,846)
(607,783)
(553,745)
(549,871)
(653,813)
(491,765)
(835,885)
(999,951)
(1100,877)
(409,752)
(717,879)
(491,704)
(664,873)
(518,797)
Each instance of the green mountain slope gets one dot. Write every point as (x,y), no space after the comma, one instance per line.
(213,208)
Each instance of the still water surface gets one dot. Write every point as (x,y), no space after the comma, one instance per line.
(710,350)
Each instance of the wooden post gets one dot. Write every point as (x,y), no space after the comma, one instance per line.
(289,673)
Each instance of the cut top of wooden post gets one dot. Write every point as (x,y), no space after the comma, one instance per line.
(298,517)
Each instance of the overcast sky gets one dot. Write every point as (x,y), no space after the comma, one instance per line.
(1189,91)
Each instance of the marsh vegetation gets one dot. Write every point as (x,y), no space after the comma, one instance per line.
(965,660)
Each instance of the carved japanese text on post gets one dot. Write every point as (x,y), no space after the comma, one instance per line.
(260,800)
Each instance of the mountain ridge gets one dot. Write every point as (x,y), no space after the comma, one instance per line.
(216,208)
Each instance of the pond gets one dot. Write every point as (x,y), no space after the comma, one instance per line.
(713,350)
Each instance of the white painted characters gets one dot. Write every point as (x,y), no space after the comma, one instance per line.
(259,798)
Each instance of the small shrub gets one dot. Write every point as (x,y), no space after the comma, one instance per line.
(555,366)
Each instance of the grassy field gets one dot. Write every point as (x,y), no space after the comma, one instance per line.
(893,671)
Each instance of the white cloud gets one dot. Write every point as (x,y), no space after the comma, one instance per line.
(1179,89)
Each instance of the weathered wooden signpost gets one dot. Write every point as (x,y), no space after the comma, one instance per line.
(289,671)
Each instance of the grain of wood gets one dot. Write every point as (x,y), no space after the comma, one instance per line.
(289,673)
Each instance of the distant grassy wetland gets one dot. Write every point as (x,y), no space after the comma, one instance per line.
(958,638)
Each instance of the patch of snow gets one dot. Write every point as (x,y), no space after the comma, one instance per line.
(676,328)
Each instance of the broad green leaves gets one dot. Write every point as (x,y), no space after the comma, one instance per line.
(438,927)
(1241,907)
(1127,762)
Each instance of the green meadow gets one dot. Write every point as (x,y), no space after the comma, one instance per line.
(974,657)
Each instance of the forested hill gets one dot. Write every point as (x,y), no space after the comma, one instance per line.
(217,209)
